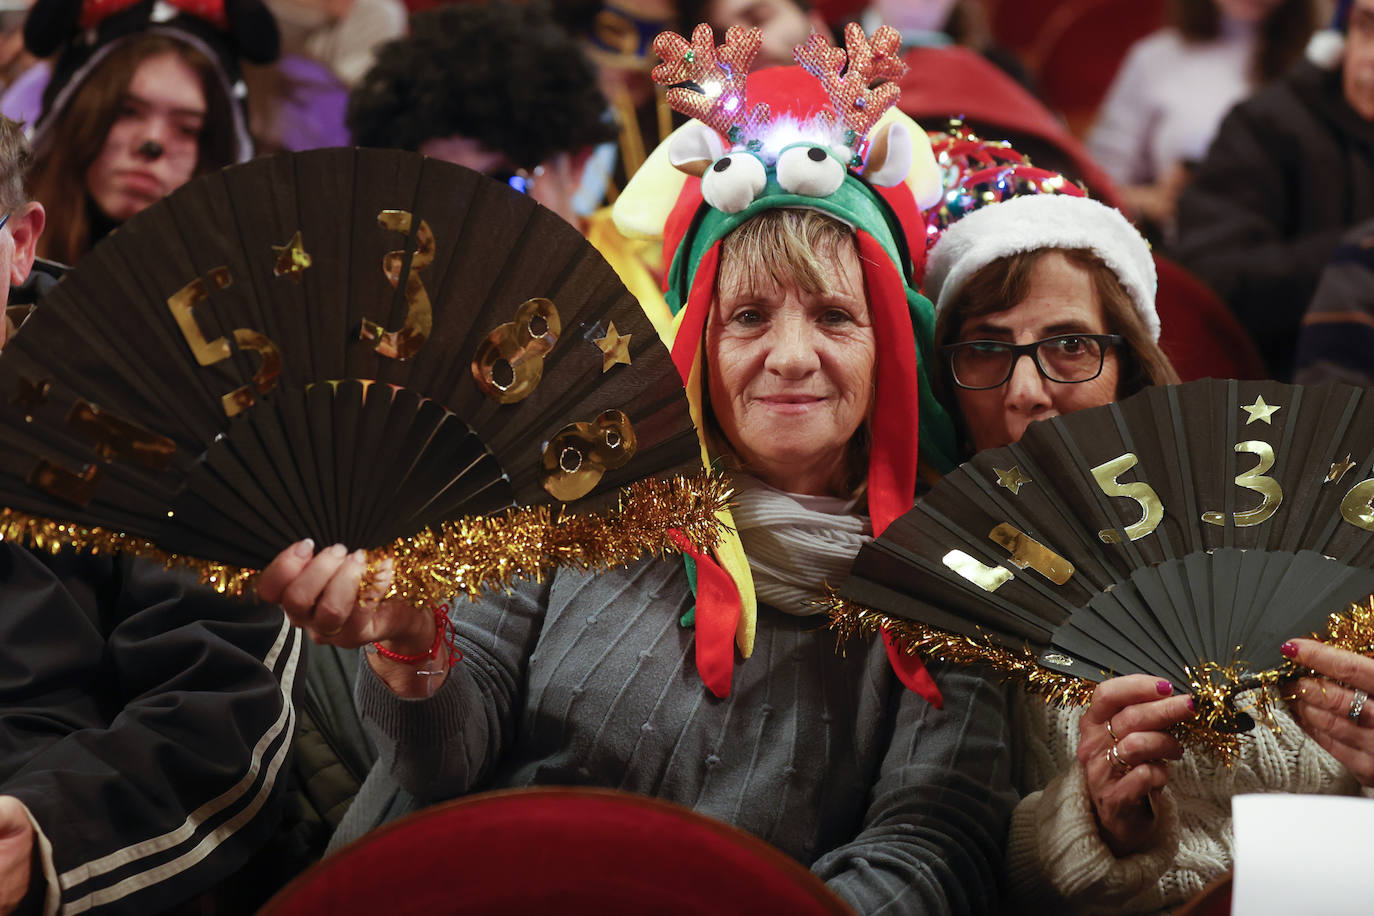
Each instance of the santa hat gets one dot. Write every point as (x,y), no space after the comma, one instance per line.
(1036,221)
(820,136)
(1326,47)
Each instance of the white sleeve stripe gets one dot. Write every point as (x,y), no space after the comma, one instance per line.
(207,845)
(77,876)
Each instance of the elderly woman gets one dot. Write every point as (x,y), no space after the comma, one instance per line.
(1119,819)
(796,338)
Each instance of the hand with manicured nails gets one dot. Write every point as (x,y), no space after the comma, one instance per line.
(1323,705)
(1123,747)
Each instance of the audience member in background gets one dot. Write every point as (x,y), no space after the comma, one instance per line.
(132,115)
(1290,172)
(144,720)
(1337,339)
(341,34)
(945,77)
(784,24)
(496,87)
(1176,85)
(942,23)
(20,227)
(617,35)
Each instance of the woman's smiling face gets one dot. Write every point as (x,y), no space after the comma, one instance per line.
(790,373)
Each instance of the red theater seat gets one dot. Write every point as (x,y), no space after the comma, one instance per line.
(565,851)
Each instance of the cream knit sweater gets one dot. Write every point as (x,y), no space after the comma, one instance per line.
(1056,860)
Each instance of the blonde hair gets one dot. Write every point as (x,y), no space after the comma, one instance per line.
(783,247)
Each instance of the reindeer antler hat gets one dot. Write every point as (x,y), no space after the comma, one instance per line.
(823,136)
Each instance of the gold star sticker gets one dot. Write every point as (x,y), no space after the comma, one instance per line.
(1338,470)
(1012,479)
(615,348)
(1260,410)
(292,258)
(31,396)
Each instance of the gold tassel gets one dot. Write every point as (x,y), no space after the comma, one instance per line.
(471,555)
(1215,687)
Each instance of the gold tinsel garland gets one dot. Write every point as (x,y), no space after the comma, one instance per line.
(1215,687)
(470,555)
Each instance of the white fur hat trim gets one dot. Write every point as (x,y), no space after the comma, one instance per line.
(1042,221)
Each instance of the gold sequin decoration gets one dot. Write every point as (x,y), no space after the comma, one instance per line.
(614,347)
(1012,479)
(1338,470)
(469,556)
(292,259)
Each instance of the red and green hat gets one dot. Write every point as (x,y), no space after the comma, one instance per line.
(825,136)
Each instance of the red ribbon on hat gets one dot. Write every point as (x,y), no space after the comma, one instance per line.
(94,12)
(894,455)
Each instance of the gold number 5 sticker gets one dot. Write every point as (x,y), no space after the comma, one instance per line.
(1152,510)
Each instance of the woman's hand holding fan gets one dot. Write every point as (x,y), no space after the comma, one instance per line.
(1331,708)
(1123,747)
(324,594)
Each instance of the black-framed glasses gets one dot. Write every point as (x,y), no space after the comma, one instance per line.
(5,219)
(978,365)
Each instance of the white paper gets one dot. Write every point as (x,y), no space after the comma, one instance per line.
(1300,854)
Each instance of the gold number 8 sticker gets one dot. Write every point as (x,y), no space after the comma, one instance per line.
(510,362)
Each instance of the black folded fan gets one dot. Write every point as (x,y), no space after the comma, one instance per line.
(1193,524)
(347,345)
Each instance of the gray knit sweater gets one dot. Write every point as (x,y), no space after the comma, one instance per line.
(590,680)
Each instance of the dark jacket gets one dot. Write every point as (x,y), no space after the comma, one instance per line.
(145,722)
(1337,339)
(1291,169)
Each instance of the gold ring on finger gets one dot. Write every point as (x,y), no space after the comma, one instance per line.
(1111,732)
(1119,766)
(1356,706)
(330,634)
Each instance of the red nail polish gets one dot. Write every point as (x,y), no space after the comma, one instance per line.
(1164,688)
(1192,705)
(1289,650)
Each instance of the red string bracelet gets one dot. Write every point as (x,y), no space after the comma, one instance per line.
(444,636)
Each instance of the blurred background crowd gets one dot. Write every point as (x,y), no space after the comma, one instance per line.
(1236,140)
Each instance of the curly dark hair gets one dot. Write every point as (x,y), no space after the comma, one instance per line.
(506,76)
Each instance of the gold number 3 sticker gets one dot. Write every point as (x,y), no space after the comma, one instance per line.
(1254,479)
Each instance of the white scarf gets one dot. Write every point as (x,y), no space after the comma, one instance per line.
(796,544)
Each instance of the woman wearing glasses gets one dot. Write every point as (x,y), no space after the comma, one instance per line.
(1063,280)
(1045,305)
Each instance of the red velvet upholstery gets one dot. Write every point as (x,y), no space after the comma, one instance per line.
(1082,46)
(941,83)
(1200,335)
(1016,24)
(565,851)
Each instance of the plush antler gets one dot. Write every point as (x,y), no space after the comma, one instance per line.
(857,101)
(717,76)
